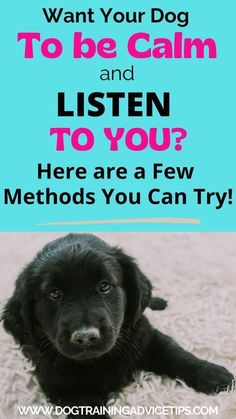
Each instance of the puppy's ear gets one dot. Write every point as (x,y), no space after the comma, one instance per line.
(138,287)
(17,314)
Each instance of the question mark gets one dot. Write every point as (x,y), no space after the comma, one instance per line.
(183,135)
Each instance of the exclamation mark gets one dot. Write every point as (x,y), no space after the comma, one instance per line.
(230,193)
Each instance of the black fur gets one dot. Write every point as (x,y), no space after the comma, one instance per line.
(100,288)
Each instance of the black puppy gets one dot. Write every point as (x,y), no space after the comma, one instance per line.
(77,312)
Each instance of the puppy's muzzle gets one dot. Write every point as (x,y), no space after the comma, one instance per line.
(85,337)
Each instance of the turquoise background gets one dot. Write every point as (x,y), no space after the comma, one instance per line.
(202,102)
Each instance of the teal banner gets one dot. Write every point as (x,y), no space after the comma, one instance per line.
(118,116)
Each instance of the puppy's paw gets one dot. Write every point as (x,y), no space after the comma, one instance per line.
(157,303)
(212,378)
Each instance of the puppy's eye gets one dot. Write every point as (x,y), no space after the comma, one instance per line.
(54,294)
(104,287)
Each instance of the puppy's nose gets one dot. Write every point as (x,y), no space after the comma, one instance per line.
(85,337)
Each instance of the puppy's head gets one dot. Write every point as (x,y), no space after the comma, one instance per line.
(78,293)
